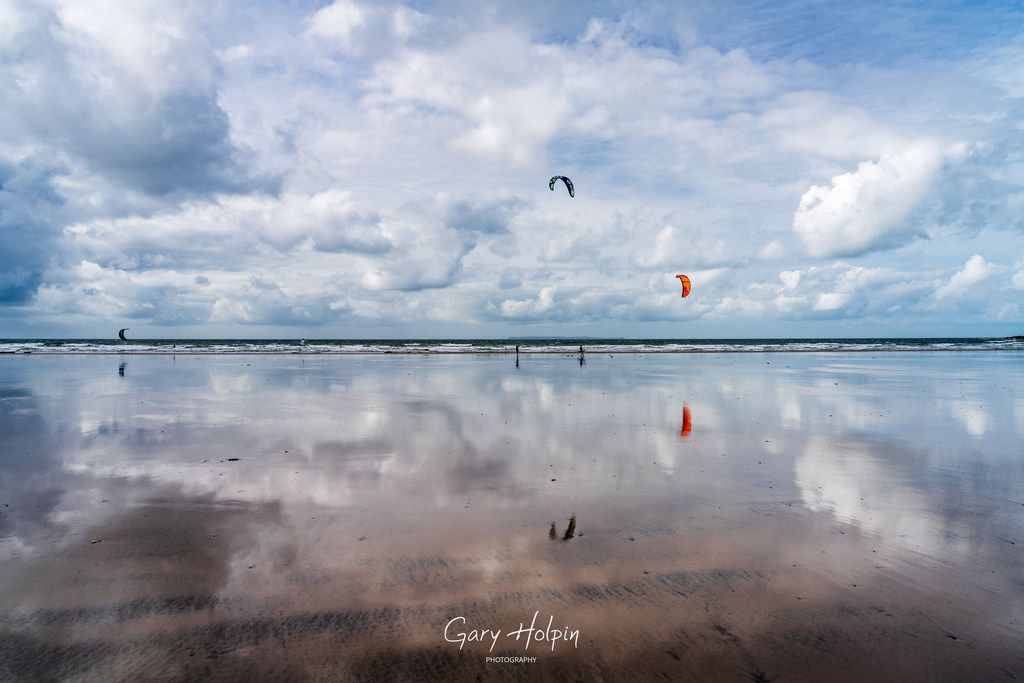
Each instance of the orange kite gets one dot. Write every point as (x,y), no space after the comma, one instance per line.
(686,285)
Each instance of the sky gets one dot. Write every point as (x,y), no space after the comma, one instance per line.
(374,169)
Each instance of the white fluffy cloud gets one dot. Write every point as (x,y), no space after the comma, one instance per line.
(975,270)
(514,308)
(1018,277)
(873,207)
(338,21)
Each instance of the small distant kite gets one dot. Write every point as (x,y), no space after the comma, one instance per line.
(686,285)
(568,184)
(120,333)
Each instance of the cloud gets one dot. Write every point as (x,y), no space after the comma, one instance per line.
(485,218)
(432,239)
(28,207)
(385,166)
(1018,277)
(790,278)
(673,246)
(772,251)
(229,232)
(842,291)
(105,293)
(975,270)
(510,96)
(266,303)
(872,207)
(515,308)
(738,306)
(510,278)
(130,90)
(316,257)
(330,220)
(406,22)
(657,300)
(337,22)
(509,112)
(172,299)
(359,30)
(107,109)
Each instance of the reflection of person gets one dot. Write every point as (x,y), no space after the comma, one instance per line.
(570,531)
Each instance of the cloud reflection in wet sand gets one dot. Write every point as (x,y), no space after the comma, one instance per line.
(825,516)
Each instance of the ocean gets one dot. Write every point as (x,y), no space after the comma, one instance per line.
(508,345)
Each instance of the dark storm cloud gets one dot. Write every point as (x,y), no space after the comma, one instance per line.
(110,110)
(80,118)
(28,204)
(183,148)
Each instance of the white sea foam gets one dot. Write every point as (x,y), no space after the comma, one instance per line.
(603,346)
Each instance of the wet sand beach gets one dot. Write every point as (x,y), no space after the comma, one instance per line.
(798,516)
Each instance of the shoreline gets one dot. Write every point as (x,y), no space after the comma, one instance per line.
(564,352)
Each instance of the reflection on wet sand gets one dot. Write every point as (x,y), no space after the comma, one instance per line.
(684,431)
(831,520)
(570,530)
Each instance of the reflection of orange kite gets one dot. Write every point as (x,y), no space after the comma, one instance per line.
(685,431)
(686,285)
